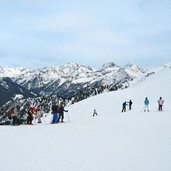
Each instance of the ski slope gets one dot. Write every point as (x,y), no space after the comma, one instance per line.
(112,141)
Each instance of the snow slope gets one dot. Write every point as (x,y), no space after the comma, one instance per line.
(112,141)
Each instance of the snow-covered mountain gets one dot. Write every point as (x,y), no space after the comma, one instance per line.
(134,71)
(12,72)
(9,89)
(130,141)
(69,79)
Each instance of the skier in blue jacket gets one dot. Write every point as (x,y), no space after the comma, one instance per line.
(146,103)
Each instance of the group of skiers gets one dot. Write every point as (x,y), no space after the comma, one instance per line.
(146,105)
(125,104)
(34,114)
(160,104)
(58,113)
(18,118)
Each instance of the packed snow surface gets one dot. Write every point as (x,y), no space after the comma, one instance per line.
(112,141)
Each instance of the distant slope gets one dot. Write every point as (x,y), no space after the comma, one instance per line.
(153,87)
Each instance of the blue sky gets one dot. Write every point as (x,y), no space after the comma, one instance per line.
(38,33)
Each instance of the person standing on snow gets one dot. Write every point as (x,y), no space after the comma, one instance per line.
(61,112)
(160,103)
(130,104)
(30,116)
(14,115)
(39,115)
(94,112)
(55,111)
(124,107)
(146,103)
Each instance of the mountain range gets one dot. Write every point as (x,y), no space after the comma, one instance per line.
(66,81)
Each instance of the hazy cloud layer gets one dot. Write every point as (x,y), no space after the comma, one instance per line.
(92,32)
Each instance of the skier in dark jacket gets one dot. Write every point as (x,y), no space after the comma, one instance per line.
(55,112)
(95,113)
(61,112)
(30,116)
(124,107)
(130,104)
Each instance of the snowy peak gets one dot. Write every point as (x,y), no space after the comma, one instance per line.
(109,68)
(134,70)
(134,67)
(71,72)
(167,65)
(11,72)
(38,78)
(109,65)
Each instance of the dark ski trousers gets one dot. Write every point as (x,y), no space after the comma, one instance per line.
(160,107)
(29,119)
(14,120)
(124,109)
(61,116)
(130,107)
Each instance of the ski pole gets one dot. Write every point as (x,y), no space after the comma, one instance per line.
(68,117)
(44,119)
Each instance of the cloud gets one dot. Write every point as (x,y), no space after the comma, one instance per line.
(91,32)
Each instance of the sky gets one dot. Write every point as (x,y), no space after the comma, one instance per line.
(38,33)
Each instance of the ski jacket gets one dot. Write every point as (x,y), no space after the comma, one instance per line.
(146,102)
(160,101)
(130,102)
(55,109)
(124,104)
(62,110)
(30,113)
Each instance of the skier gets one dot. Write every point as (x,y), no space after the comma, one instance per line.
(94,112)
(34,115)
(146,103)
(39,115)
(61,112)
(18,117)
(55,111)
(160,103)
(30,116)
(130,104)
(13,113)
(124,107)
